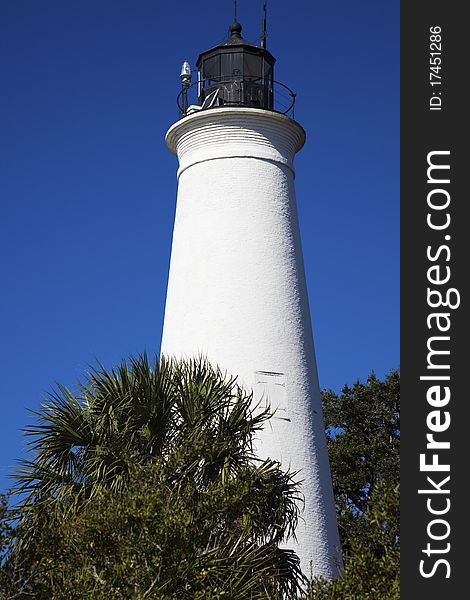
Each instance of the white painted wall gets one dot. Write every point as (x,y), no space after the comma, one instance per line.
(237,292)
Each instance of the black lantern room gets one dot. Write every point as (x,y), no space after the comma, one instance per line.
(236,73)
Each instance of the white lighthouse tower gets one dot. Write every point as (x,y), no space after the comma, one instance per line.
(236,290)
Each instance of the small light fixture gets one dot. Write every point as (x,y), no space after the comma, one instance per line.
(185,74)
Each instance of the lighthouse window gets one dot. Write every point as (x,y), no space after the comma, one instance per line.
(231,67)
(211,71)
(268,75)
(253,67)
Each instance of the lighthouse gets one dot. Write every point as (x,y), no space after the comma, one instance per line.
(236,291)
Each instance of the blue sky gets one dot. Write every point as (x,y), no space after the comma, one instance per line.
(88,188)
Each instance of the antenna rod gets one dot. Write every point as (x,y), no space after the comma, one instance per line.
(263,37)
(235,10)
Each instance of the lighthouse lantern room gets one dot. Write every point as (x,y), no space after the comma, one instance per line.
(236,73)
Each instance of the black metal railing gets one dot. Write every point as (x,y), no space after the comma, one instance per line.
(250,92)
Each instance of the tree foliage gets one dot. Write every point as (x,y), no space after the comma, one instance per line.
(145,486)
(363,430)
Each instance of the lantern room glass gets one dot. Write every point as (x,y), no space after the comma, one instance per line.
(243,78)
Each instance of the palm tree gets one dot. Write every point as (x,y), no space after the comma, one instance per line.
(190,428)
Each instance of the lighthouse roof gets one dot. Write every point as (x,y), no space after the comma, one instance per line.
(236,42)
